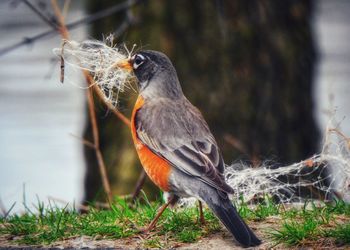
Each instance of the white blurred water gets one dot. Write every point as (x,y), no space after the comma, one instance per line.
(332,83)
(37,115)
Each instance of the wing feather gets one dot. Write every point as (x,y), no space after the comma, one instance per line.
(182,137)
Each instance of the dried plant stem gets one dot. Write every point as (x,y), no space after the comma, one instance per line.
(62,27)
(96,139)
(65,8)
(84,141)
(110,106)
(43,17)
(339,133)
(139,184)
(85,20)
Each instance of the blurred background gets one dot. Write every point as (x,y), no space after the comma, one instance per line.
(267,76)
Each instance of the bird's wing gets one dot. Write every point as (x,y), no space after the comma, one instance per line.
(177,132)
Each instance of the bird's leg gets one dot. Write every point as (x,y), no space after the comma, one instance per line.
(201,215)
(156,218)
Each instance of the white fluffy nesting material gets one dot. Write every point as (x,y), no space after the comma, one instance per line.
(101,60)
(311,174)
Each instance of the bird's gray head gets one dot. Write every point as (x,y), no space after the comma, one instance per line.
(156,75)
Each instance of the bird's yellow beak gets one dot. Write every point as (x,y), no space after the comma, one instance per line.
(125,64)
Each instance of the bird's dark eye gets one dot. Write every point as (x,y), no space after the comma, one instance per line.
(139,60)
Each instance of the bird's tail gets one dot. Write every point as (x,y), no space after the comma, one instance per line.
(228,215)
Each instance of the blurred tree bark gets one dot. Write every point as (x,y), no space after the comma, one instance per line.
(247,65)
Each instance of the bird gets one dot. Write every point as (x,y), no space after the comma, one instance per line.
(175,145)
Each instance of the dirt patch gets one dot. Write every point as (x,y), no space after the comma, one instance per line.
(222,240)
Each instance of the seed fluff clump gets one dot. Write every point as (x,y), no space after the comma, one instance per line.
(100,59)
(323,177)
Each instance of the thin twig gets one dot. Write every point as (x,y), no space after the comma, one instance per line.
(65,9)
(102,167)
(62,27)
(62,61)
(98,91)
(86,20)
(122,28)
(237,144)
(96,137)
(84,141)
(339,133)
(110,106)
(51,23)
(129,19)
(139,184)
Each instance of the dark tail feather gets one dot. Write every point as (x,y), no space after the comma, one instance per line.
(228,215)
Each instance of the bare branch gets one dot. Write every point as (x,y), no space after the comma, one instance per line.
(84,141)
(110,106)
(96,137)
(139,184)
(63,30)
(51,23)
(102,167)
(86,20)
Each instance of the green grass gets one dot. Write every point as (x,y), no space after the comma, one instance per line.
(313,223)
(291,226)
(341,234)
(47,225)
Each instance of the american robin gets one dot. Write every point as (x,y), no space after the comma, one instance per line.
(174,143)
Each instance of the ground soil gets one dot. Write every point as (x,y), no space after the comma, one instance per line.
(221,240)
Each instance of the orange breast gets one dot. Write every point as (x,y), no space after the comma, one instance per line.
(156,167)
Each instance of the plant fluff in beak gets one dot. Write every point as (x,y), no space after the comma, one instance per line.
(109,65)
(125,64)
